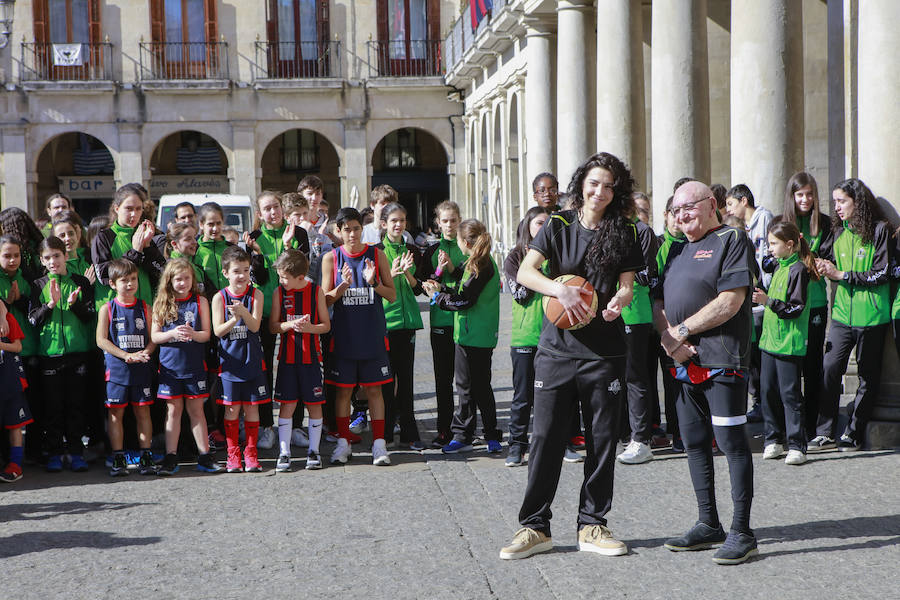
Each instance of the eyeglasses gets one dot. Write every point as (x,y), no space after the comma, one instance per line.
(543,190)
(689,207)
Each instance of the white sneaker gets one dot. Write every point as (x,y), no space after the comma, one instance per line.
(636,453)
(795,457)
(299,438)
(342,452)
(573,456)
(267,438)
(772,451)
(380,456)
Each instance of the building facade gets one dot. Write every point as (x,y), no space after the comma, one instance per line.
(230,96)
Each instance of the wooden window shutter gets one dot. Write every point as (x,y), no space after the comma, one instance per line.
(322,21)
(157,21)
(271,21)
(434,19)
(94,18)
(41,22)
(382,9)
(212,29)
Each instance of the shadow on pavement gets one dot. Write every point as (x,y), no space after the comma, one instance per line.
(47,510)
(39,541)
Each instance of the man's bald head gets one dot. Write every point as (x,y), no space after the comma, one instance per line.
(692,191)
(694,207)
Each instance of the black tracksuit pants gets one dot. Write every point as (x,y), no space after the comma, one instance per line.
(443,356)
(782,402)
(637,420)
(473,385)
(561,385)
(64,383)
(398,394)
(813,372)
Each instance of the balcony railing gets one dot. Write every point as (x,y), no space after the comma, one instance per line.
(184,60)
(66,62)
(405,58)
(298,60)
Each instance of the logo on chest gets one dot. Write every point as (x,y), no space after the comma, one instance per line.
(703,254)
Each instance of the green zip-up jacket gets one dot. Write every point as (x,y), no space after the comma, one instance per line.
(271,245)
(862,297)
(79,265)
(475,302)
(440,317)
(640,311)
(527,312)
(19,309)
(786,317)
(402,313)
(209,259)
(115,242)
(818,290)
(63,329)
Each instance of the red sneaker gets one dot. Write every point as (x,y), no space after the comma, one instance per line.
(233,465)
(251,460)
(577,442)
(12,472)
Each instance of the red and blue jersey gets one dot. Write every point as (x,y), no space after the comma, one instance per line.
(240,350)
(183,360)
(129,329)
(299,348)
(359,329)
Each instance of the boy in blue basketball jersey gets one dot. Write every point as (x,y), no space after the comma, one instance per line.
(123,333)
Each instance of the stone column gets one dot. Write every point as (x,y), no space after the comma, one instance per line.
(766,97)
(878,69)
(355,166)
(539,137)
(15,176)
(620,88)
(131,164)
(679,96)
(572,87)
(244,171)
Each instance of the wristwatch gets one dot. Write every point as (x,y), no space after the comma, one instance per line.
(683,331)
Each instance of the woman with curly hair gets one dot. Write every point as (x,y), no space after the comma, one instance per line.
(858,260)
(584,367)
(16,222)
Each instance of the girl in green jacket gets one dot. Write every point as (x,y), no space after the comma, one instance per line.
(403,319)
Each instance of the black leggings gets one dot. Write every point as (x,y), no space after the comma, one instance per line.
(473,384)
(63,383)
(443,356)
(718,406)
(398,394)
(268,345)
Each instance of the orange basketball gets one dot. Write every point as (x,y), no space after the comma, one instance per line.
(554,310)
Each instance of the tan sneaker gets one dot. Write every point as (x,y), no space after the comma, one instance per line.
(526,542)
(599,539)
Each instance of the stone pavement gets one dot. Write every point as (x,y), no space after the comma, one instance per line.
(431,526)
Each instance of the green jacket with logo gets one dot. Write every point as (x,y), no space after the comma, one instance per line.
(786,317)
(818,290)
(209,258)
(402,313)
(79,265)
(475,302)
(862,297)
(440,317)
(640,311)
(19,308)
(63,329)
(527,311)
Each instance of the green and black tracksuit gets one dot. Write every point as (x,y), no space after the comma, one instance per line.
(443,349)
(475,302)
(115,242)
(783,344)
(209,259)
(638,317)
(403,319)
(66,334)
(671,388)
(859,316)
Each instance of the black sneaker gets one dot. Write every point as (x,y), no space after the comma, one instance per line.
(284,464)
(313,461)
(146,465)
(119,467)
(819,443)
(738,547)
(848,444)
(169,465)
(754,415)
(699,537)
(206,463)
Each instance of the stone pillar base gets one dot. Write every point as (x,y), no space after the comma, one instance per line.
(883,435)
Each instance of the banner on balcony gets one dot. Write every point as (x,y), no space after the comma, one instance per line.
(67,55)
(479,10)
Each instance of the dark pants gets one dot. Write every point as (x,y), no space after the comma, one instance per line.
(812,367)
(652,369)
(443,355)
(398,395)
(753,385)
(523,394)
(35,433)
(473,385)
(782,402)
(700,407)
(561,384)
(95,393)
(869,344)
(671,391)
(268,346)
(637,420)
(63,383)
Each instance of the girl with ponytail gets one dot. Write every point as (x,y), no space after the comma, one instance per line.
(475,303)
(783,342)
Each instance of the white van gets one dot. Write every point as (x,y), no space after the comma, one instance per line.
(237,209)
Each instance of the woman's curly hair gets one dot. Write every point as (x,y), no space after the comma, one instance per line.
(614,234)
(866,212)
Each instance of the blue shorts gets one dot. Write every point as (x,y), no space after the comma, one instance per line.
(299,382)
(181,389)
(236,393)
(14,412)
(118,394)
(368,372)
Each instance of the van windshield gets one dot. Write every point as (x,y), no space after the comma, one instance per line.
(235,216)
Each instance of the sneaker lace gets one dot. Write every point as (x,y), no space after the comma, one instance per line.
(597,532)
(526,535)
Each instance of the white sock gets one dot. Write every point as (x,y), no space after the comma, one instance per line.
(315,434)
(284,435)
